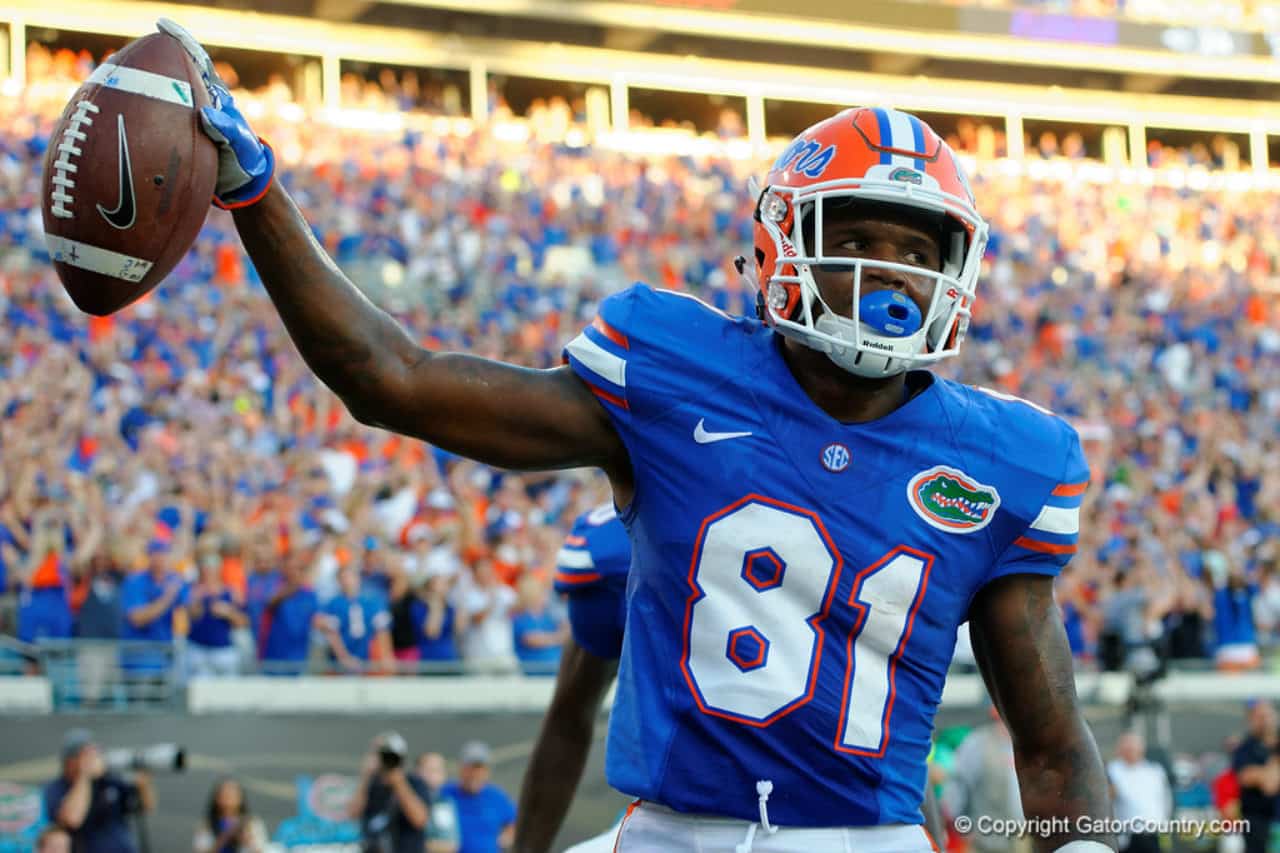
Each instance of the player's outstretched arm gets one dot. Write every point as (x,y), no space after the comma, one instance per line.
(555,768)
(1021,649)
(497,413)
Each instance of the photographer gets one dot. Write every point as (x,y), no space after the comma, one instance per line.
(390,804)
(92,803)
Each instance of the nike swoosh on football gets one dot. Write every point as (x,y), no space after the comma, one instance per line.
(701,435)
(126,211)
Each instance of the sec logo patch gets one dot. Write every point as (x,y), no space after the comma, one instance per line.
(835,457)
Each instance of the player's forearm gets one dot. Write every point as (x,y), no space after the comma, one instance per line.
(351,344)
(555,769)
(1064,786)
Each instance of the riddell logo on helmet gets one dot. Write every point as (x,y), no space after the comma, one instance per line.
(788,250)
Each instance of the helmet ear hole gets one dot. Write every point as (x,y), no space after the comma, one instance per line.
(759,258)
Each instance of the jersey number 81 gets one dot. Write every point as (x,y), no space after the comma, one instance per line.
(763,577)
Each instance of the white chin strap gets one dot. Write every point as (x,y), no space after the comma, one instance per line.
(864,363)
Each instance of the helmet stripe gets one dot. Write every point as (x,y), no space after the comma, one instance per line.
(886,135)
(900,138)
(917,132)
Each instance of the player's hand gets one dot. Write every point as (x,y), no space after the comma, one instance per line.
(246,163)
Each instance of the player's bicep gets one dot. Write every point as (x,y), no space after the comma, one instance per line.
(501,414)
(1020,645)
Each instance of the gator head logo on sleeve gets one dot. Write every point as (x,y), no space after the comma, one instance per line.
(951,500)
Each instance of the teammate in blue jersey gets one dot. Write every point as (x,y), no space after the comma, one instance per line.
(812,513)
(591,570)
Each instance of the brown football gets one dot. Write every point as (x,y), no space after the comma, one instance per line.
(128,176)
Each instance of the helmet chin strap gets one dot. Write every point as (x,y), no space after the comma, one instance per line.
(871,365)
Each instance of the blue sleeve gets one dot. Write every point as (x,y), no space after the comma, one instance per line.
(597,617)
(1048,542)
(594,580)
(576,560)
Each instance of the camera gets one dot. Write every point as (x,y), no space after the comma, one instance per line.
(389,759)
(157,758)
(392,750)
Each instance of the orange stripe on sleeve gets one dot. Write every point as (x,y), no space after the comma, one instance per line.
(585,577)
(575,541)
(606,396)
(610,332)
(1070,490)
(1043,547)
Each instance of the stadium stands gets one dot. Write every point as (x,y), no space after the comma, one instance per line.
(1146,313)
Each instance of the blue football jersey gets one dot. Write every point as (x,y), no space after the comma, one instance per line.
(591,570)
(796,583)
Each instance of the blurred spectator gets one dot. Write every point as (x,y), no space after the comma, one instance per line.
(289,618)
(487,642)
(1257,769)
(214,611)
(486,815)
(228,825)
(437,638)
(356,626)
(983,782)
(92,803)
(539,632)
(1233,601)
(443,833)
(408,614)
(1141,792)
(101,620)
(149,600)
(390,803)
(44,609)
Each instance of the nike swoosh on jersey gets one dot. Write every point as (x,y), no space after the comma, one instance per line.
(126,211)
(701,435)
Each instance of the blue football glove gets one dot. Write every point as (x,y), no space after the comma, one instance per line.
(246,163)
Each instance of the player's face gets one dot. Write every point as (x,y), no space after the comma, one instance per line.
(882,236)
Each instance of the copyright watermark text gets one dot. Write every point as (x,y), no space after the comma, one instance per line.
(1045,827)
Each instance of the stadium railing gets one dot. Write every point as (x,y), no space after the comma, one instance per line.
(109,675)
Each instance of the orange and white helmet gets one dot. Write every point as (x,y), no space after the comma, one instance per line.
(877,156)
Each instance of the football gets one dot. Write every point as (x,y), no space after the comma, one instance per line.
(128,175)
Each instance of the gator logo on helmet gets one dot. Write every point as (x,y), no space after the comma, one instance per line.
(951,500)
(907,176)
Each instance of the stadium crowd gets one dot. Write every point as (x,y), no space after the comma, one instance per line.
(175,470)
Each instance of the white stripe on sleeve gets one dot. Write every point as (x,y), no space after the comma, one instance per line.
(599,360)
(574,558)
(1056,519)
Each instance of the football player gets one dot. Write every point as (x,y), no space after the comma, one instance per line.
(812,513)
(591,570)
